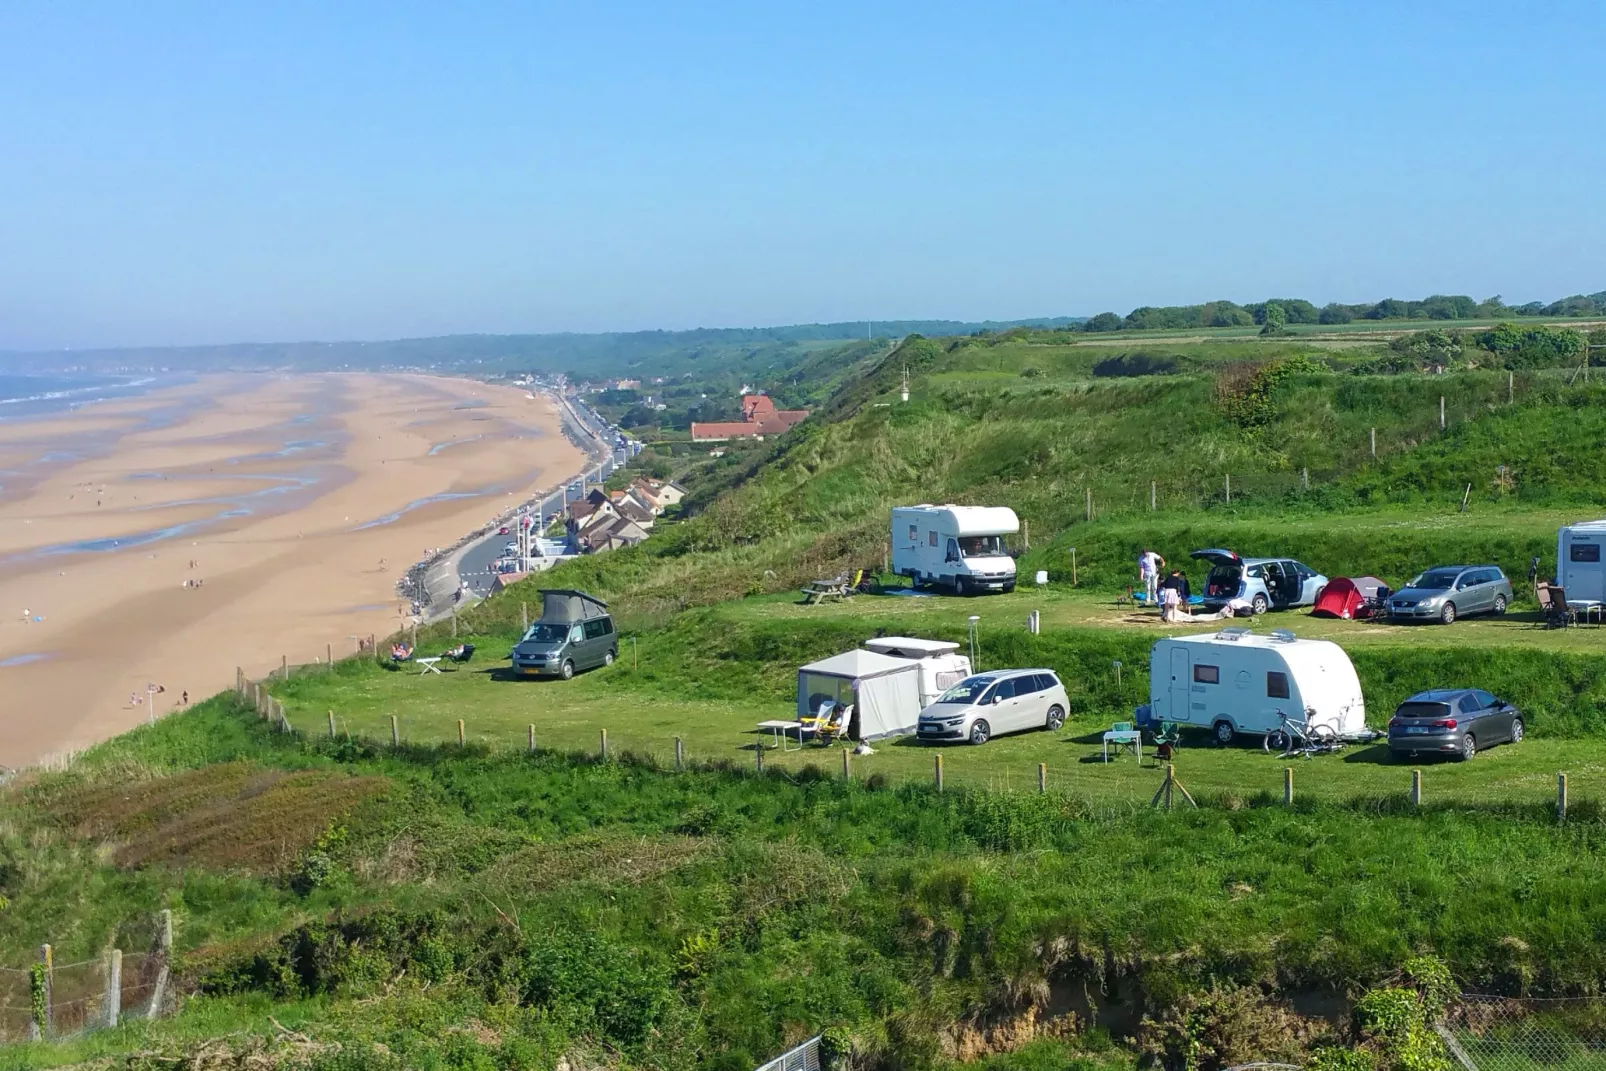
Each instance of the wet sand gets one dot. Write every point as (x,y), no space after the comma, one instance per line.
(299,499)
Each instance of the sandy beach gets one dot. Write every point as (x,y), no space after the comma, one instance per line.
(168,538)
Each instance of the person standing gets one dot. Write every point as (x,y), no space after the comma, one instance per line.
(1149,566)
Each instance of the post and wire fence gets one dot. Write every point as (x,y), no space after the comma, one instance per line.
(51,1000)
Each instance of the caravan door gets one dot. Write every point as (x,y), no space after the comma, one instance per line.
(1181,686)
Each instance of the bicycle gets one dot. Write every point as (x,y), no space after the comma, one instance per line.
(1299,736)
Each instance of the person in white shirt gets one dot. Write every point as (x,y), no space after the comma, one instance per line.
(1149,566)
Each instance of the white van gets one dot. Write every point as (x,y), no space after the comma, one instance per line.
(956,547)
(1580,569)
(1234,681)
(941,664)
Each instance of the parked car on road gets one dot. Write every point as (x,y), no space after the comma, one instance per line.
(1002,701)
(1453,721)
(1447,592)
(1257,584)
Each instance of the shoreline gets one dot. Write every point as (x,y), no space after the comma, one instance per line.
(232,521)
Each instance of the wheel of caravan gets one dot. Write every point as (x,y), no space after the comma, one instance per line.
(1222,731)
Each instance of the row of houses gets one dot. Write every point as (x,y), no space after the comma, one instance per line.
(608,520)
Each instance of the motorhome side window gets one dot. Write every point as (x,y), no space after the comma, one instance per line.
(1584,552)
(914,533)
(1276,685)
(597,628)
(1207,674)
(931,539)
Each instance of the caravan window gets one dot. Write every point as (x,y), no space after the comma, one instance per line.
(931,539)
(914,533)
(1276,685)
(1584,552)
(1207,674)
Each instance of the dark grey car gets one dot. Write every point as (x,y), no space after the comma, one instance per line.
(1453,721)
(1447,592)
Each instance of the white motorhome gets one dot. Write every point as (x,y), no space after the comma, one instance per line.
(956,547)
(1581,561)
(1234,681)
(941,664)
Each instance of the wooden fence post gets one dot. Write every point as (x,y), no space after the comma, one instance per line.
(845,773)
(1042,777)
(41,996)
(459,732)
(1090,505)
(937,772)
(758,756)
(530,746)
(1154,495)
(331,725)
(680,755)
(1441,412)
(1374,444)
(454,624)
(1561,796)
(395,732)
(1304,477)
(1416,788)
(284,667)
(1288,786)
(1511,387)
(604,746)
(114,988)
(1229,488)
(329,654)
(524,617)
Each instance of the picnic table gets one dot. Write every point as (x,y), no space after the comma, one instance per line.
(428,665)
(780,727)
(1132,738)
(818,591)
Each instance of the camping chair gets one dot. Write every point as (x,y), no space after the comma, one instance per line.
(829,722)
(1553,604)
(400,652)
(460,654)
(1166,741)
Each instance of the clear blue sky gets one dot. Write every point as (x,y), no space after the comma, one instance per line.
(209,172)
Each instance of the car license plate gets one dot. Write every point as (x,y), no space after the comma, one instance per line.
(1416,729)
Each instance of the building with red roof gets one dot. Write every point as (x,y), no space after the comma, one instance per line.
(759,418)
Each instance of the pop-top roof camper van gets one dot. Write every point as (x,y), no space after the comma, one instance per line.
(1580,568)
(956,547)
(941,664)
(1234,681)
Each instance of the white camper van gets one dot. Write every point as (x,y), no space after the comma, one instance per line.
(955,547)
(1581,561)
(1234,681)
(941,664)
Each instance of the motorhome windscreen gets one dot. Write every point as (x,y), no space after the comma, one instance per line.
(546,632)
(989,546)
(822,689)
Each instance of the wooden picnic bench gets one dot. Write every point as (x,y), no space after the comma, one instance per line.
(842,587)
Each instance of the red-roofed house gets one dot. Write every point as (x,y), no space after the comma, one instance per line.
(759,418)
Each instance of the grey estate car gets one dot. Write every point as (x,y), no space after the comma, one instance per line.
(1447,592)
(1453,721)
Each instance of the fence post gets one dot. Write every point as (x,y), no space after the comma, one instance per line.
(459,732)
(937,772)
(454,624)
(604,746)
(1090,505)
(1511,387)
(284,667)
(331,725)
(1288,786)
(1304,477)
(395,732)
(524,617)
(41,996)
(1374,444)
(1042,777)
(1441,412)
(164,945)
(1416,788)
(845,774)
(114,987)
(329,654)
(1154,496)
(530,746)
(1229,488)
(256,700)
(1561,796)
(758,756)
(680,755)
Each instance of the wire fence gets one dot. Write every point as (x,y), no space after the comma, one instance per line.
(804,1057)
(1488,1033)
(62,1000)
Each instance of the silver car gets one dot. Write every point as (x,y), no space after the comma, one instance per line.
(1255,585)
(986,704)
(1447,592)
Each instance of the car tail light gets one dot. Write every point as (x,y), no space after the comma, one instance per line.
(1394,722)
(1447,723)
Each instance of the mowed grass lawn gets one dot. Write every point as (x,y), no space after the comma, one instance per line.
(497,710)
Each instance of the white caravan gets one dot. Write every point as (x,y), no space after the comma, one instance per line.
(956,547)
(1234,681)
(941,664)
(1580,569)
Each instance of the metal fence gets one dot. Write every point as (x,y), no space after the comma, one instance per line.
(60,1000)
(1484,1033)
(805,1057)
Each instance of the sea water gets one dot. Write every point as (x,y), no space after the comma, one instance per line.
(35,394)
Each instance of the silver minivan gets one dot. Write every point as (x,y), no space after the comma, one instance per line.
(1002,701)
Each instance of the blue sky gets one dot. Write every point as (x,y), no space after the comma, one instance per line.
(188,172)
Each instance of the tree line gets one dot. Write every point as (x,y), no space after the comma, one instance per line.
(1300,311)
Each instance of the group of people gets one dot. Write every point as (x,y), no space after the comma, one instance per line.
(1171,594)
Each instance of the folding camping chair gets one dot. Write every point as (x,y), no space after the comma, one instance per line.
(1553,605)
(829,723)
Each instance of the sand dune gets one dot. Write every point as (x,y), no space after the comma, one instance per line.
(300,499)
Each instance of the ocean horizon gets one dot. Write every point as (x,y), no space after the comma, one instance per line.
(25,395)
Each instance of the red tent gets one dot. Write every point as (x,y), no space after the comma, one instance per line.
(1349,598)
